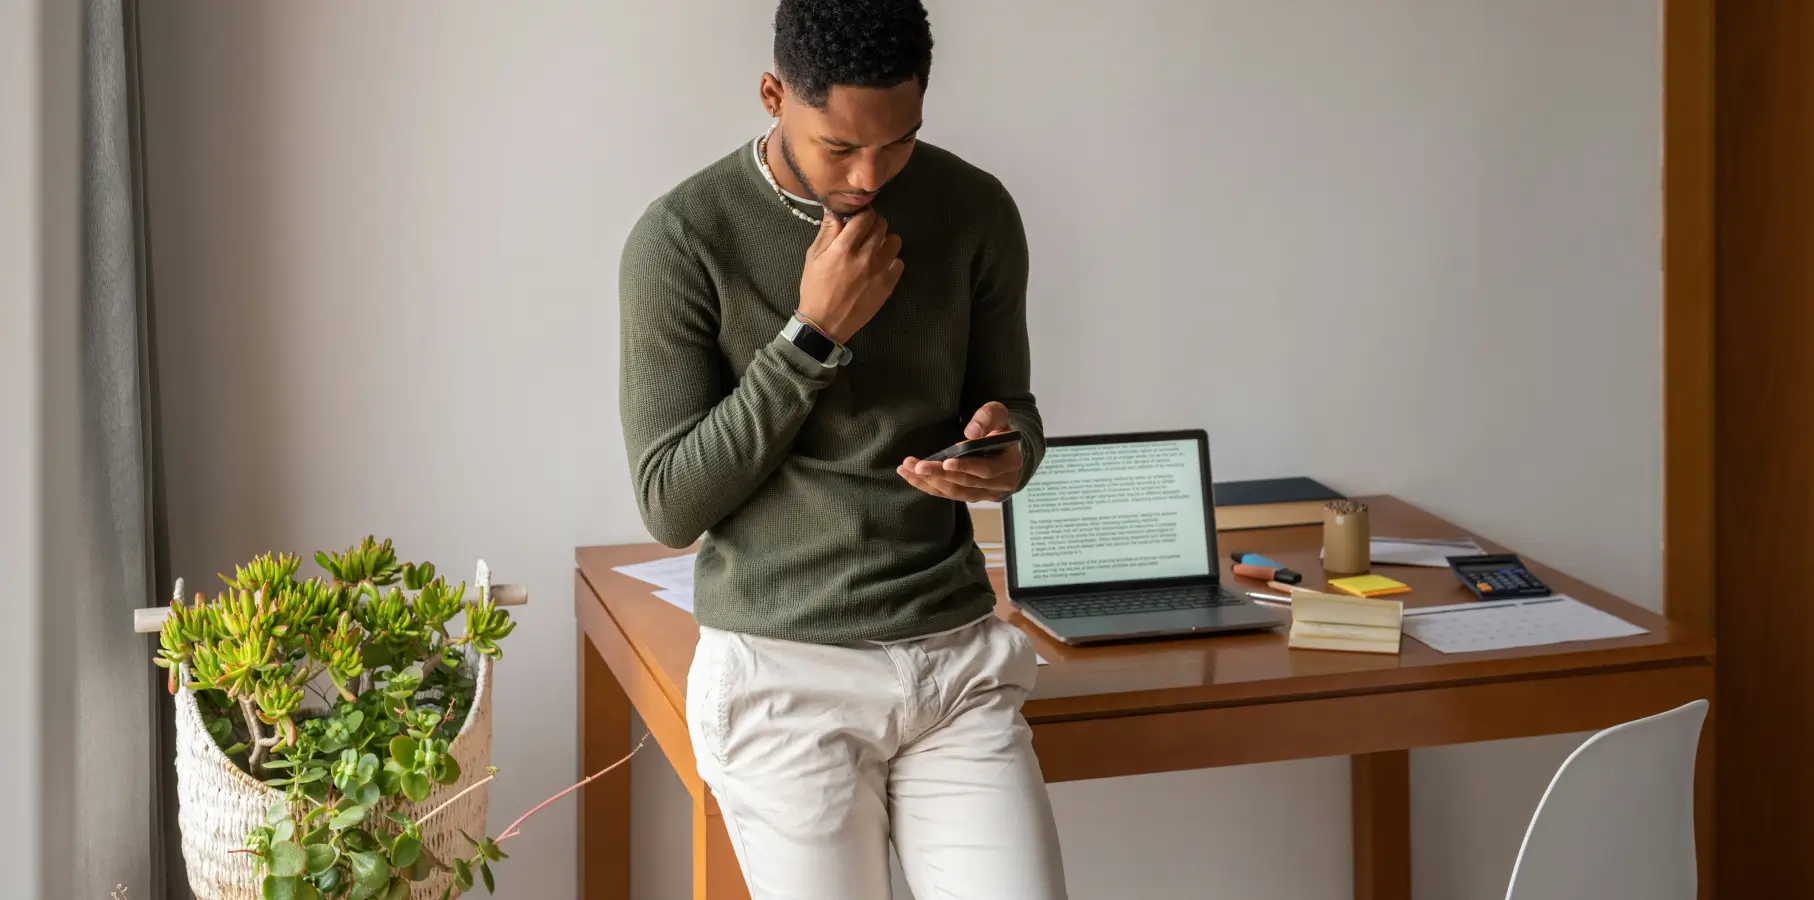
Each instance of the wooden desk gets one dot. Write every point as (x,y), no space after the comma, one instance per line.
(1185,704)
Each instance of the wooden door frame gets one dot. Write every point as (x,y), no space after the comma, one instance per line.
(1688,296)
(1689,291)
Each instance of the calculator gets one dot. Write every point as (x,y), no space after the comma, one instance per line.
(1497,576)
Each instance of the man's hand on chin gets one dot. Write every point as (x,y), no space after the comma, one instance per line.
(974,478)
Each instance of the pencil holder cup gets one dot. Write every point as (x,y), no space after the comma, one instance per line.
(1345,538)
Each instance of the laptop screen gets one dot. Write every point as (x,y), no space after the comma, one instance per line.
(1112,512)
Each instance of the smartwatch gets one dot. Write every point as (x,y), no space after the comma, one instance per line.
(816,344)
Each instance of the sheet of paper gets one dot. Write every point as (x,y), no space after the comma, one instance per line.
(1390,551)
(681,597)
(1503,624)
(672,573)
(1042,660)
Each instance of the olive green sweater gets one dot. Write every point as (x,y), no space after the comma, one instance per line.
(787,468)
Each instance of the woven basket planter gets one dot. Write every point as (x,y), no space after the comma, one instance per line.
(219,804)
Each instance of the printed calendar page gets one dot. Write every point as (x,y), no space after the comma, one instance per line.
(1503,624)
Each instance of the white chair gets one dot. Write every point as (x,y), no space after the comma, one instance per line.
(1617,821)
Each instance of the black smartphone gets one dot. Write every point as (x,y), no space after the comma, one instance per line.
(982,446)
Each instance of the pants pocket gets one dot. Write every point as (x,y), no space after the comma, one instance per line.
(707,679)
(1021,663)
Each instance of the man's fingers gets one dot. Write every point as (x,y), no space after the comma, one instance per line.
(829,228)
(855,231)
(891,276)
(941,486)
(950,490)
(996,483)
(972,494)
(923,484)
(991,418)
(877,237)
(983,468)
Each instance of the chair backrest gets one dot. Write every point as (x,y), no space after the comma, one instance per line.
(1617,821)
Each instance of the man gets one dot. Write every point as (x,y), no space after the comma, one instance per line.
(802,321)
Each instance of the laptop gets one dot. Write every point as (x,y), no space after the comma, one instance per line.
(1114,539)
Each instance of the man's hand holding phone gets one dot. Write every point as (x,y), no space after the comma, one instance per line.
(971,478)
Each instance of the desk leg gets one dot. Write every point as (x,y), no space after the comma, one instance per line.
(715,872)
(604,805)
(1382,825)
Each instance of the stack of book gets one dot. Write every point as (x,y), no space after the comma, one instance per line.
(1321,621)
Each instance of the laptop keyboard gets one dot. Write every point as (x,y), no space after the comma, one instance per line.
(1121,603)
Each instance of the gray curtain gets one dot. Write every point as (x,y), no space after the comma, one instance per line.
(122,765)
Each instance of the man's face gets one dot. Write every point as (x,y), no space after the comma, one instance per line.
(845,152)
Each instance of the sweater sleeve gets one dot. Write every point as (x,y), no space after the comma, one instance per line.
(700,439)
(999,364)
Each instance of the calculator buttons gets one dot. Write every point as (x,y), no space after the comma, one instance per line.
(1497,576)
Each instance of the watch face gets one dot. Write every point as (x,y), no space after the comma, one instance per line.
(816,345)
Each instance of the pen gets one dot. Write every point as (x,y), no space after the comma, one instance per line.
(1270,598)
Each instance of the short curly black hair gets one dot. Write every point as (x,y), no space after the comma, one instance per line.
(863,43)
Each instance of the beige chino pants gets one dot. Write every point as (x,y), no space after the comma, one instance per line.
(820,755)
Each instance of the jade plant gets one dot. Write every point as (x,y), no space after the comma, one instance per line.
(372,642)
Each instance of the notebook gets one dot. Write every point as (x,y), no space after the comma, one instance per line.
(1270,503)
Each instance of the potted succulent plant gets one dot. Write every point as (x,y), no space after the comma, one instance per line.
(334,732)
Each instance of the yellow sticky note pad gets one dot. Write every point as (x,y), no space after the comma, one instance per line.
(1369,586)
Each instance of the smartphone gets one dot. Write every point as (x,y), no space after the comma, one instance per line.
(982,446)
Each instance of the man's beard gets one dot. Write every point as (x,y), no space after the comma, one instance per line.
(793,165)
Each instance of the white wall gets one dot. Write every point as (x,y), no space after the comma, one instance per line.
(39,143)
(386,240)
